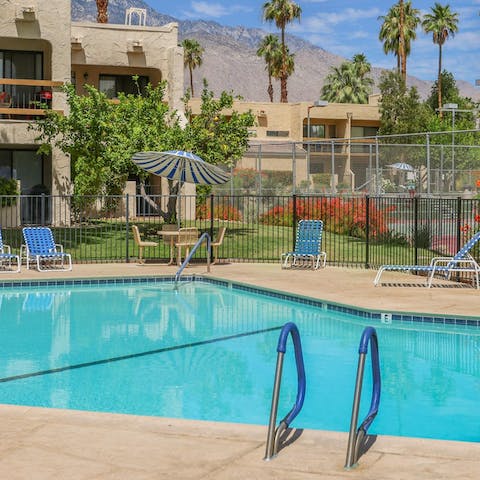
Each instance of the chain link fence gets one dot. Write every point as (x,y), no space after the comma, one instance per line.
(445,163)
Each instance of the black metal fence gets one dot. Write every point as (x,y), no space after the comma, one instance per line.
(363,231)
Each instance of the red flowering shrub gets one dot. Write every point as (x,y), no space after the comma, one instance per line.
(220,212)
(342,216)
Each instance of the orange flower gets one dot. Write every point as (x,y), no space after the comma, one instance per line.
(477,218)
(478,183)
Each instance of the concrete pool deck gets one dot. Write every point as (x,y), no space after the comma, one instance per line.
(39,444)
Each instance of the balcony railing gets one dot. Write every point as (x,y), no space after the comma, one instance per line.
(26,99)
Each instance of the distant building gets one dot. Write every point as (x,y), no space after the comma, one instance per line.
(302,136)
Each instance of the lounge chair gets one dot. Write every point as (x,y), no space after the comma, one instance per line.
(308,245)
(461,262)
(217,242)
(6,258)
(141,244)
(42,250)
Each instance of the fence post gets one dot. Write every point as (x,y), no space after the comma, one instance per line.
(211,221)
(459,223)
(415,228)
(294,219)
(127,228)
(42,209)
(367,231)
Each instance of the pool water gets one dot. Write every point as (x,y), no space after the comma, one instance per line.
(208,352)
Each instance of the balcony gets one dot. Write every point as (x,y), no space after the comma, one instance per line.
(22,99)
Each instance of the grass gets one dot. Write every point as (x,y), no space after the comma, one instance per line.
(105,241)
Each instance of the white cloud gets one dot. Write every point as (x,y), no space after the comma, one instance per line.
(215,10)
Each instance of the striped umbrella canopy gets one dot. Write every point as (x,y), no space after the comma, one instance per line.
(402,166)
(181,166)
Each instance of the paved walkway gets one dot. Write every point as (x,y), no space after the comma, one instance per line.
(37,444)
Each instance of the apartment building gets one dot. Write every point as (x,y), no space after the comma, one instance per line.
(311,138)
(41,49)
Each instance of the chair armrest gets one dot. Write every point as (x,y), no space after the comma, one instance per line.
(6,249)
(59,246)
(442,261)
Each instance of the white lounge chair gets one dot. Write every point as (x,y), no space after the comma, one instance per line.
(461,262)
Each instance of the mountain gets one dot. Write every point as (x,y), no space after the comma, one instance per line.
(231,50)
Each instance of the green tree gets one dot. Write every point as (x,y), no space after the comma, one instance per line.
(401,110)
(450,92)
(442,23)
(269,49)
(218,134)
(282,12)
(349,82)
(395,39)
(100,137)
(192,58)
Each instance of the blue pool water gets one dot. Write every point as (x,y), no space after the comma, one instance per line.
(208,352)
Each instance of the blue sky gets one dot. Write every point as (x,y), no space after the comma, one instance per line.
(343,28)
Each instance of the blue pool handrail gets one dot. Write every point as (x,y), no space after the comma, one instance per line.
(274,434)
(357,435)
(203,236)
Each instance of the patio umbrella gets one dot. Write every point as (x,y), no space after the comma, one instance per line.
(181,166)
(402,166)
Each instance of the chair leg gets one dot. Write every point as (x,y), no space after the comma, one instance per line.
(140,254)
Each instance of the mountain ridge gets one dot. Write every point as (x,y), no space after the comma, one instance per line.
(230,50)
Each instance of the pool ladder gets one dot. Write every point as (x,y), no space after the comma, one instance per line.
(274,434)
(357,435)
(204,237)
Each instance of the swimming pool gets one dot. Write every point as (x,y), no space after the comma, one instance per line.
(207,351)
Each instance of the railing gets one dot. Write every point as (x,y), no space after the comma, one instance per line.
(203,237)
(357,435)
(274,434)
(26,98)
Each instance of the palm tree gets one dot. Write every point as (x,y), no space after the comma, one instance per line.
(442,23)
(102,9)
(362,65)
(282,12)
(269,49)
(391,33)
(348,83)
(192,57)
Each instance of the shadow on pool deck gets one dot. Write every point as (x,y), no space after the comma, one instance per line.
(42,444)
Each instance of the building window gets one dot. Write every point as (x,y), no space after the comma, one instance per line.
(23,165)
(112,85)
(316,131)
(277,133)
(24,65)
(359,131)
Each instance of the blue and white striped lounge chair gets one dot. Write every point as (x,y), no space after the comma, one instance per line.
(461,262)
(7,258)
(42,250)
(308,245)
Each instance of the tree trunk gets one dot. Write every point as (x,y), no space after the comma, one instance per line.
(270,88)
(102,11)
(191,79)
(283,73)
(439,82)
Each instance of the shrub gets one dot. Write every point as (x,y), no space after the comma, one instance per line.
(339,215)
(220,212)
(8,186)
